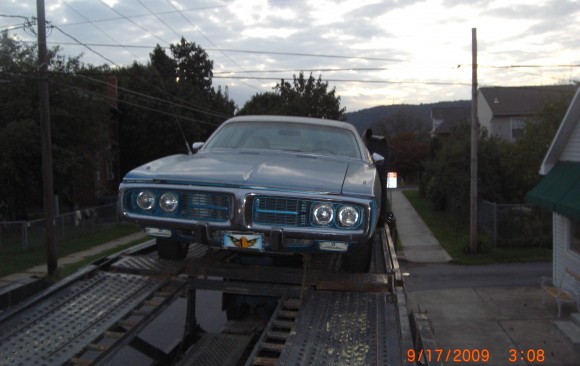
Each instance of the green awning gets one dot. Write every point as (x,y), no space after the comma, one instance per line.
(559,191)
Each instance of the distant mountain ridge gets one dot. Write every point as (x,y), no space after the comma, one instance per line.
(367,117)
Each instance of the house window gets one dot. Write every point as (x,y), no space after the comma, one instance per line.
(517,128)
(575,236)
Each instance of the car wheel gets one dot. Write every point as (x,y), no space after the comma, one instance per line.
(359,260)
(173,250)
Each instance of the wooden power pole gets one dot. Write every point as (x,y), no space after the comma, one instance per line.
(474,136)
(46,142)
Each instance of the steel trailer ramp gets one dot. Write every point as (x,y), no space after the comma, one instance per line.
(216,350)
(54,330)
(344,328)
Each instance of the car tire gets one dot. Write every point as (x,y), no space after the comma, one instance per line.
(359,260)
(172,250)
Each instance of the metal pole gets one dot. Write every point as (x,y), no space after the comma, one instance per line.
(474,136)
(46,141)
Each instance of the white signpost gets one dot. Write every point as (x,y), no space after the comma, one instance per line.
(392,180)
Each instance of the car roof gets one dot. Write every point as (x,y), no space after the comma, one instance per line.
(293,119)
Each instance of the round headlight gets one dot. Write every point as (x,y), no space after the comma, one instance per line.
(322,213)
(347,216)
(168,202)
(145,200)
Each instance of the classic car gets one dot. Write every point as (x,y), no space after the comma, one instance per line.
(261,184)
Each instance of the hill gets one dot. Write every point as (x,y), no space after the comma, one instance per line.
(418,117)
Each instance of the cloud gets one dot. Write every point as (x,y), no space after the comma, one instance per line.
(418,42)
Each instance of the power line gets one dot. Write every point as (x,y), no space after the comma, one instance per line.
(306,70)
(142,15)
(97,27)
(149,97)
(198,109)
(353,81)
(209,40)
(84,45)
(260,52)
(133,22)
(160,19)
(309,55)
(520,66)
(97,94)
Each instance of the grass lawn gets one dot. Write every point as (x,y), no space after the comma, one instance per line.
(454,237)
(13,261)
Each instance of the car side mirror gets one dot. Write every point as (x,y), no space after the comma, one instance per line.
(196,146)
(378,159)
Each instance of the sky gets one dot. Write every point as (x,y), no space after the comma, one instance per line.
(372,52)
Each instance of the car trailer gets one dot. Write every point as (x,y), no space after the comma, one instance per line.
(135,308)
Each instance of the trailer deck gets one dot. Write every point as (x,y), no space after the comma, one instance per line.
(137,308)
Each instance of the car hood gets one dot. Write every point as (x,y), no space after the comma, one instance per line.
(264,169)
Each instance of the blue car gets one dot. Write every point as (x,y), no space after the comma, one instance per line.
(261,184)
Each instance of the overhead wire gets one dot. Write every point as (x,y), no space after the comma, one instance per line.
(305,70)
(141,15)
(163,89)
(221,75)
(199,110)
(160,19)
(261,52)
(83,44)
(310,55)
(97,27)
(353,80)
(137,105)
(209,40)
(152,98)
(133,22)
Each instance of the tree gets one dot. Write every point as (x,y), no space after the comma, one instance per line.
(264,103)
(193,66)
(168,104)
(79,128)
(447,174)
(527,154)
(303,97)
(408,152)
(402,119)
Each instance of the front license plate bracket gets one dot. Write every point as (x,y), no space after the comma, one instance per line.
(250,241)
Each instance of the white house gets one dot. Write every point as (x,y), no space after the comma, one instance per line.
(504,111)
(559,191)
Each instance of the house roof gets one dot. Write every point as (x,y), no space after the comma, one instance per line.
(523,100)
(559,190)
(568,124)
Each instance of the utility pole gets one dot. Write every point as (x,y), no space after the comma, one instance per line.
(474,135)
(46,142)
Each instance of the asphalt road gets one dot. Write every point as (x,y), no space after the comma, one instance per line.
(423,277)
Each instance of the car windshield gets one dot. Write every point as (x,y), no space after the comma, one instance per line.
(297,137)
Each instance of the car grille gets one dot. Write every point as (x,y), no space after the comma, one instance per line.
(206,206)
(280,211)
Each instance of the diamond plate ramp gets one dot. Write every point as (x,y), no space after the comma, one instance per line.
(344,328)
(216,350)
(53,331)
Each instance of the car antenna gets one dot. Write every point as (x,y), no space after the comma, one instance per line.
(164,90)
(184,137)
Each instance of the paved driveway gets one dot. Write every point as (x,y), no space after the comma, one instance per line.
(497,308)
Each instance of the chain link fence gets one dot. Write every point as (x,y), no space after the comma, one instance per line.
(515,225)
(21,235)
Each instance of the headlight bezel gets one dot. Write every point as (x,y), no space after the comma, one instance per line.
(174,205)
(315,219)
(143,203)
(340,216)
(156,201)
(333,220)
